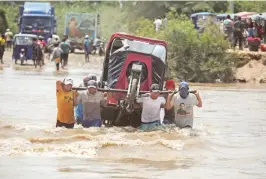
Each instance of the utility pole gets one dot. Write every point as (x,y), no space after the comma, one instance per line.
(231,5)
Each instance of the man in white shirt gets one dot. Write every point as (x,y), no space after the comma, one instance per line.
(157,23)
(151,107)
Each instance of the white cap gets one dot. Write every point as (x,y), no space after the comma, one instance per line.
(92,84)
(7,30)
(68,81)
(86,37)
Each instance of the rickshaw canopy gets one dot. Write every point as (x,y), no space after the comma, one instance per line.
(132,37)
(143,45)
(124,50)
(245,15)
(202,14)
(258,16)
(24,39)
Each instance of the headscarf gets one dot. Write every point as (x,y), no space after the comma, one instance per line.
(183,89)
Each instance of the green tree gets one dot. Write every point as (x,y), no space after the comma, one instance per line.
(191,57)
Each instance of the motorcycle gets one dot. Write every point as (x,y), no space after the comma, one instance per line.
(101,49)
(22,55)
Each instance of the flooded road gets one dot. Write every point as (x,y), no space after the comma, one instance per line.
(228,139)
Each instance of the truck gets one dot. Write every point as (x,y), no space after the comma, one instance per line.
(37,18)
(78,25)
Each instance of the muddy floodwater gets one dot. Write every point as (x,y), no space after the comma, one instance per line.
(228,139)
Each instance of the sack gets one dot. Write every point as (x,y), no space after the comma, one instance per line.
(57,60)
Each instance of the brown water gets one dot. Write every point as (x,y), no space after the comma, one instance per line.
(228,139)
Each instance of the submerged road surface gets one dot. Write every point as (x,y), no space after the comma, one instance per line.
(228,139)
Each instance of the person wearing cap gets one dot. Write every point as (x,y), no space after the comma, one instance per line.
(169,114)
(151,107)
(86,47)
(91,100)
(79,107)
(66,100)
(183,104)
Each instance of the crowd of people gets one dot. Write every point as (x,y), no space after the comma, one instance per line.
(84,108)
(238,31)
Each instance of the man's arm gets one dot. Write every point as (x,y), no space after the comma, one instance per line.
(163,102)
(198,98)
(169,102)
(75,97)
(58,85)
(139,99)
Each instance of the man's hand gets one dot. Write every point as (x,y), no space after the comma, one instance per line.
(170,95)
(196,93)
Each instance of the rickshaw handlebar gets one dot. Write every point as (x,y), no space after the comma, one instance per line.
(125,91)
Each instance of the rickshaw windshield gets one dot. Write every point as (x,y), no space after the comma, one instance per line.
(23,41)
(147,48)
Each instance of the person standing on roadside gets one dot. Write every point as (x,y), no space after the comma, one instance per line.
(65,51)
(66,100)
(183,104)
(87,49)
(9,39)
(2,48)
(238,33)
(228,29)
(157,23)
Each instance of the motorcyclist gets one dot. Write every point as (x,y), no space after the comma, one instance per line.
(96,43)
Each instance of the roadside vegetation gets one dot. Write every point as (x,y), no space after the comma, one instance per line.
(192,57)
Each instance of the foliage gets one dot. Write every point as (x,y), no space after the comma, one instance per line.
(191,56)
(250,6)
(3,22)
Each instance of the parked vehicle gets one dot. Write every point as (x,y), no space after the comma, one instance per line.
(22,47)
(37,18)
(78,25)
(199,19)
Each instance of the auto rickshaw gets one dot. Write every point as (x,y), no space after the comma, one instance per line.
(131,65)
(23,47)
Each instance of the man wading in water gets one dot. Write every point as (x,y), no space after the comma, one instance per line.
(91,101)
(151,107)
(79,107)
(169,114)
(66,100)
(183,104)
